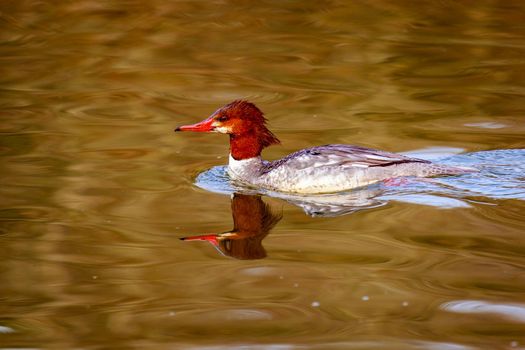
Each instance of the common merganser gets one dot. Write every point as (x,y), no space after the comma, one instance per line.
(320,169)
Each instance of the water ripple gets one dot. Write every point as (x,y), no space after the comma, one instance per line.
(512,312)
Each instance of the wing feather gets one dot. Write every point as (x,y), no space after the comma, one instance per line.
(340,156)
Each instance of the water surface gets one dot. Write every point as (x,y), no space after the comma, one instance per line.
(97,190)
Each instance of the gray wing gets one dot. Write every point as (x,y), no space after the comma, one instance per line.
(340,156)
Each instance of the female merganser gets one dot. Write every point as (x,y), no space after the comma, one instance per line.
(320,169)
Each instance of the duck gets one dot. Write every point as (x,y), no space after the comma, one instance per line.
(321,169)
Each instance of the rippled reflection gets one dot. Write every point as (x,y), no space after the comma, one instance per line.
(252,222)
(513,312)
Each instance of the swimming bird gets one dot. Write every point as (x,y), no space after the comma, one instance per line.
(320,169)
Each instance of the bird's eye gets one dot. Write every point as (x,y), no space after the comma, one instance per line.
(222,118)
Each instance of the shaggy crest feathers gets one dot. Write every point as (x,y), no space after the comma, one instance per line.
(255,114)
(253,136)
(244,110)
(268,138)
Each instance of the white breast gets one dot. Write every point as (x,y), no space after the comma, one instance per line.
(245,170)
(306,179)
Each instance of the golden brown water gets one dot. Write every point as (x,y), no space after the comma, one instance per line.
(97,189)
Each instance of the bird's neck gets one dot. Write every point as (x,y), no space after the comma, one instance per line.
(245,146)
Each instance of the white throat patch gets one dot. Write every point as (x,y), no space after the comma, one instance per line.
(221,129)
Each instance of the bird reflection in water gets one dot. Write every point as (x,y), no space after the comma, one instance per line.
(500,177)
(253,220)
